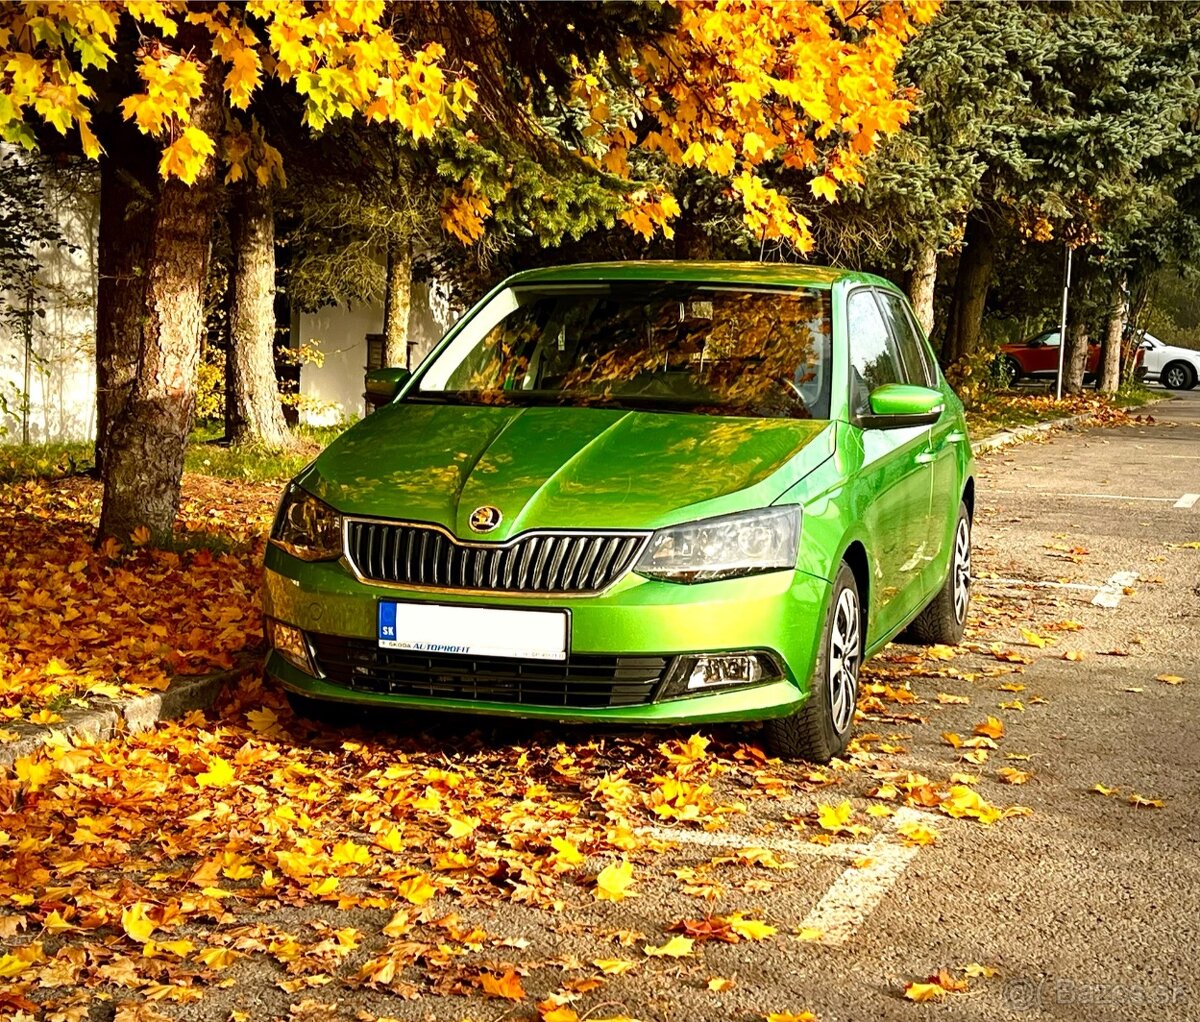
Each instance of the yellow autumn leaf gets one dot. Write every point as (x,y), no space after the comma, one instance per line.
(416,890)
(614,966)
(751,929)
(1146,803)
(218,957)
(719,984)
(977,971)
(1102,789)
(1011,775)
(136,922)
(921,992)
(915,833)
(993,727)
(507,986)
(676,947)
(1170,679)
(809,933)
(1033,639)
(790,1016)
(565,852)
(461,826)
(834,818)
(218,775)
(613,881)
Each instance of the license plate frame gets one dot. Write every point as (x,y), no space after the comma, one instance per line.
(470,630)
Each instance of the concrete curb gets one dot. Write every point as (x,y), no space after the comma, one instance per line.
(1008,437)
(132,715)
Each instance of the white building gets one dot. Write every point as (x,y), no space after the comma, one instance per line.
(59,356)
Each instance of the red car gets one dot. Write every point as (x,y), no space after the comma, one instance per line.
(1038,356)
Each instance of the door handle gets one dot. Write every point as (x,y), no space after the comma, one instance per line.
(956,437)
(924,458)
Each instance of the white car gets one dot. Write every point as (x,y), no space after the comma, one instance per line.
(1175,368)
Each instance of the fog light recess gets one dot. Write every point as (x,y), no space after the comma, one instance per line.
(703,672)
(289,642)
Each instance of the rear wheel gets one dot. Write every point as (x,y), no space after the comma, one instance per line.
(1178,376)
(1012,369)
(942,620)
(821,728)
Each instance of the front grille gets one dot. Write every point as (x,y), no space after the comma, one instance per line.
(546,562)
(582,680)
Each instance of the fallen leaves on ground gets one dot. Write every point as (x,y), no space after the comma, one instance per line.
(80,622)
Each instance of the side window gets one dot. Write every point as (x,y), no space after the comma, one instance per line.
(873,360)
(917,361)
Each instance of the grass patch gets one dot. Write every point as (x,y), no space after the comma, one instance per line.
(207,454)
(44,461)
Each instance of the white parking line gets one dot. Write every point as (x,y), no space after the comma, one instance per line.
(726,840)
(1033,583)
(854,895)
(858,889)
(1087,496)
(1111,592)
(1188,500)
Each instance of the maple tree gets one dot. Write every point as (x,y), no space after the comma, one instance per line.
(162,75)
(733,88)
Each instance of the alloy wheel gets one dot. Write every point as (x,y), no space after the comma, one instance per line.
(1176,378)
(962,569)
(845,654)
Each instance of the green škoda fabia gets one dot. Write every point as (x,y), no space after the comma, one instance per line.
(636,493)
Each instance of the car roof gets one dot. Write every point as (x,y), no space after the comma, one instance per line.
(766,274)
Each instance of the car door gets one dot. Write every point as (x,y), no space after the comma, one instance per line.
(946,436)
(895,475)
(1043,353)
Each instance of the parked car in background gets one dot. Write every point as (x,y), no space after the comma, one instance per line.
(636,493)
(1174,367)
(1038,357)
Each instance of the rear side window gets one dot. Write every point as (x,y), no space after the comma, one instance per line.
(918,362)
(873,358)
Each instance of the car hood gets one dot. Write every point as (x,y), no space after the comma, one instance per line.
(561,467)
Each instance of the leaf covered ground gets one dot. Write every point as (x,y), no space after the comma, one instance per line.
(249,864)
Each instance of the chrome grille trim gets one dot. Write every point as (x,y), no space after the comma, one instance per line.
(420,555)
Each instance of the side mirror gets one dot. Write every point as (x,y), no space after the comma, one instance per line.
(1145,345)
(899,404)
(1035,343)
(384,384)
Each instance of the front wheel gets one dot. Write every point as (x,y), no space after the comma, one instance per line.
(1179,376)
(821,728)
(943,619)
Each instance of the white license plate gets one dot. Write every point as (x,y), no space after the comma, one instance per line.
(474,631)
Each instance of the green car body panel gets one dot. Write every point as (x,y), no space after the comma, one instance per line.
(883,499)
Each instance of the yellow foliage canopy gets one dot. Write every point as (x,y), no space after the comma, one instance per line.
(342,59)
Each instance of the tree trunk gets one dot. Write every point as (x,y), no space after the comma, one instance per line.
(1114,328)
(1075,356)
(971,285)
(128,193)
(143,461)
(397,301)
(920,287)
(257,414)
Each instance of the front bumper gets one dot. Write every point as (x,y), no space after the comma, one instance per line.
(780,613)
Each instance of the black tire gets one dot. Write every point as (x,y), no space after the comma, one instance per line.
(943,619)
(1012,369)
(821,728)
(1178,376)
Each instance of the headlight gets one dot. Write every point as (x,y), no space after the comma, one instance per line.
(306,527)
(716,548)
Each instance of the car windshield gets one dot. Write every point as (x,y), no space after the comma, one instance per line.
(710,349)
